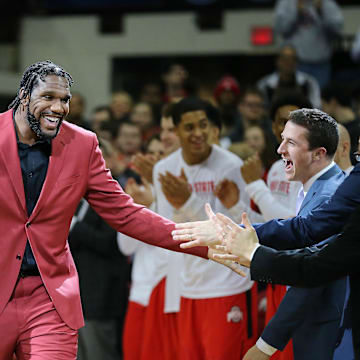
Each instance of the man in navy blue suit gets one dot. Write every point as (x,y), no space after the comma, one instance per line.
(308,148)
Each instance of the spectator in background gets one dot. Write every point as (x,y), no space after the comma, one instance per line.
(99,115)
(342,155)
(121,105)
(174,78)
(104,276)
(252,111)
(77,110)
(215,124)
(167,133)
(128,142)
(143,116)
(287,77)
(310,26)
(151,93)
(227,94)
(337,102)
(355,48)
(155,147)
(262,144)
(144,163)
(356,99)
(108,130)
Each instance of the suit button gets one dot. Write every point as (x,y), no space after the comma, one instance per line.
(28,224)
(18,257)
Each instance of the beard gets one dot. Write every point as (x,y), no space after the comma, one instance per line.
(35,126)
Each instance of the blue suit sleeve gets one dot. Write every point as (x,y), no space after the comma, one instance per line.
(317,225)
(292,311)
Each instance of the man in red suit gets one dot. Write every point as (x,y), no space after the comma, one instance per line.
(46,166)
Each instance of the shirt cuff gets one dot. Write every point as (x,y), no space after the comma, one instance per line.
(253,253)
(265,347)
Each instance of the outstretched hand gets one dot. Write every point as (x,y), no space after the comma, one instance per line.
(238,243)
(233,265)
(198,233)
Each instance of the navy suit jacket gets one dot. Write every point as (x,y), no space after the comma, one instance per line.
(316,311)
(310,267)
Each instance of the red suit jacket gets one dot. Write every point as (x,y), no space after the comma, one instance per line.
(76,169)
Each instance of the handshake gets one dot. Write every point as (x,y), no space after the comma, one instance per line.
(229,244)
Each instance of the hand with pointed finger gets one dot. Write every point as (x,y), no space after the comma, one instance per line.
(255,353)
(238,241)
(197,233)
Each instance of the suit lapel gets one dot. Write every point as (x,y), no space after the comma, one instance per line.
(315,186)
(10,155)
(310,194)
(56,161)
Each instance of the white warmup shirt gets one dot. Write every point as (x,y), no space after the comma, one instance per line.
(148,268)
(199,278)
(276,199)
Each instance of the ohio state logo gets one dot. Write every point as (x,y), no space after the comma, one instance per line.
(235,315)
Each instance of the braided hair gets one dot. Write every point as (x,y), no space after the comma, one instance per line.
(32,75)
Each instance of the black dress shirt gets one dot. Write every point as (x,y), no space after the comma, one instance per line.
(34,161)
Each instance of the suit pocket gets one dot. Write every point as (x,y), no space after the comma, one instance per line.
(68,181)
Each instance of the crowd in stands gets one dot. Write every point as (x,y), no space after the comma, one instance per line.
(224,153)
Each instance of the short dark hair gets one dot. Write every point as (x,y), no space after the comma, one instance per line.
(99,108)
(322,128)
(214,116)
(32,75)
(289,97)
(167,110)
(338,91)
(110,126)
(129,123)
(253,90)
(190,104)
(151,139)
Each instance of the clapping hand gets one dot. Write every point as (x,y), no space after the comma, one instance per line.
(175,188)
(141,194)
(143,165)
(252,169)
(228,193)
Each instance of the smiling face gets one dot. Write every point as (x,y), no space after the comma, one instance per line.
(294,150)
(47,106)
(193,132)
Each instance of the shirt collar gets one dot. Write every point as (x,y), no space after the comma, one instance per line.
(308,184)
(349,170)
